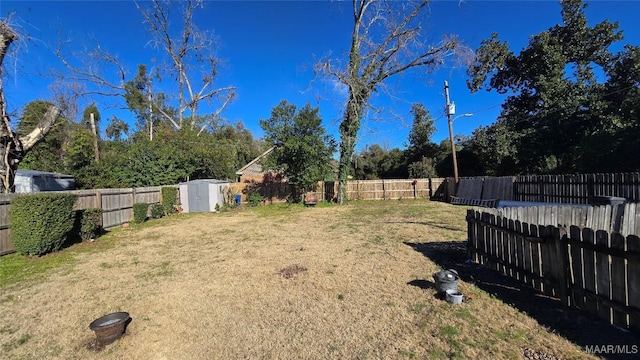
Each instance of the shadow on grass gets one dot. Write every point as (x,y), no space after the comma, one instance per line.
(427,223)
(579,327)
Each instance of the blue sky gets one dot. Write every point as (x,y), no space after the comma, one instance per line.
(269,48)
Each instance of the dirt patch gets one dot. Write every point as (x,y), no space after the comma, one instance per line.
(233,285)
(291,271)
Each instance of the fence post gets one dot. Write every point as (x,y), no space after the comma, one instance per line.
(472,238)
(384,194)
(559,255)
(99,206)
(540,187)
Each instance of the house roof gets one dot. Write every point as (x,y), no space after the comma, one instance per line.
(253,167)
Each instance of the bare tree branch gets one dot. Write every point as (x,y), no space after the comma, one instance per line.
(91,70)
(12,147)
(190,45)
(387,39)
(217,113)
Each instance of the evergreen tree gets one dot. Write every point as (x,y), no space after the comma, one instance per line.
(556,107)
(303,149)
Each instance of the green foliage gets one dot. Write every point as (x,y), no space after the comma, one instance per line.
(169,199)
(568,95)
(303,149)
(152,163)
(79,150)
(157,211)
(420,144)
(140,212)
(48,154)
(376,162)
(90,223)
(86,117)
(116,129)
(254,199)
(422,169)
(40,223)
(137,95)
(172,157)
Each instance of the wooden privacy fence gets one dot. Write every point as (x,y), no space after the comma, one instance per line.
(481,191)
(595,270)
(576,188)
(356,189)
(571,189)
(624,219)
(116,205)
(387,189)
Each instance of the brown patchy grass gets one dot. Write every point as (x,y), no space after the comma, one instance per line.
(274,282)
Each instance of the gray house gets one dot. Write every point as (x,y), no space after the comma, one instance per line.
(28,181)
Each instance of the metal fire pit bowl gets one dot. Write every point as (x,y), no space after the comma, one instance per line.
(110,328)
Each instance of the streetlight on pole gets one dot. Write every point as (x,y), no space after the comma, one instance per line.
(451,110)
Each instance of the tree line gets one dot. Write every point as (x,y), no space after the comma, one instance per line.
(129,158)
(572,106)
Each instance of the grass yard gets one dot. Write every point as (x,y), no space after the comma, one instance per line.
(273,282)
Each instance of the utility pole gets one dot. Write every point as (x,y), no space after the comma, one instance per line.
(451,109)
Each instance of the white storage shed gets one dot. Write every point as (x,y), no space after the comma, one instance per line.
(202,195)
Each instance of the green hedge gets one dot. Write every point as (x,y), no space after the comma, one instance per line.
(140,212)
(40,223)
(157,211)
(90,223)
(169,200)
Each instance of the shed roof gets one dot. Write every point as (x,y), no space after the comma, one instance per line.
(32,173)
(208,181)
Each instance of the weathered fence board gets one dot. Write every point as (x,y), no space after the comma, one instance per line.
(388,189)
(597,271)
(618,280)
(116,204)
(633,281)
(498,188)
(576,188)
(624,219)
(470,188)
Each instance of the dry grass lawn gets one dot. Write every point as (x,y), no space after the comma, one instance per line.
(274,282)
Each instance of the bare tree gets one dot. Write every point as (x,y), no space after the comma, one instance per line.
(66,95)
(189,46)
(13,147)
(387,39)
(191,62)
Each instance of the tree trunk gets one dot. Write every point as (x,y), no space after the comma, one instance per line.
(12,147)
(96,149)
(348,132)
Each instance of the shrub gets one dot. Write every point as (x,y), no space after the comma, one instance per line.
(254,199)
(40,223)
(90,223)
(140,212)
(169,200)
(157,211)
